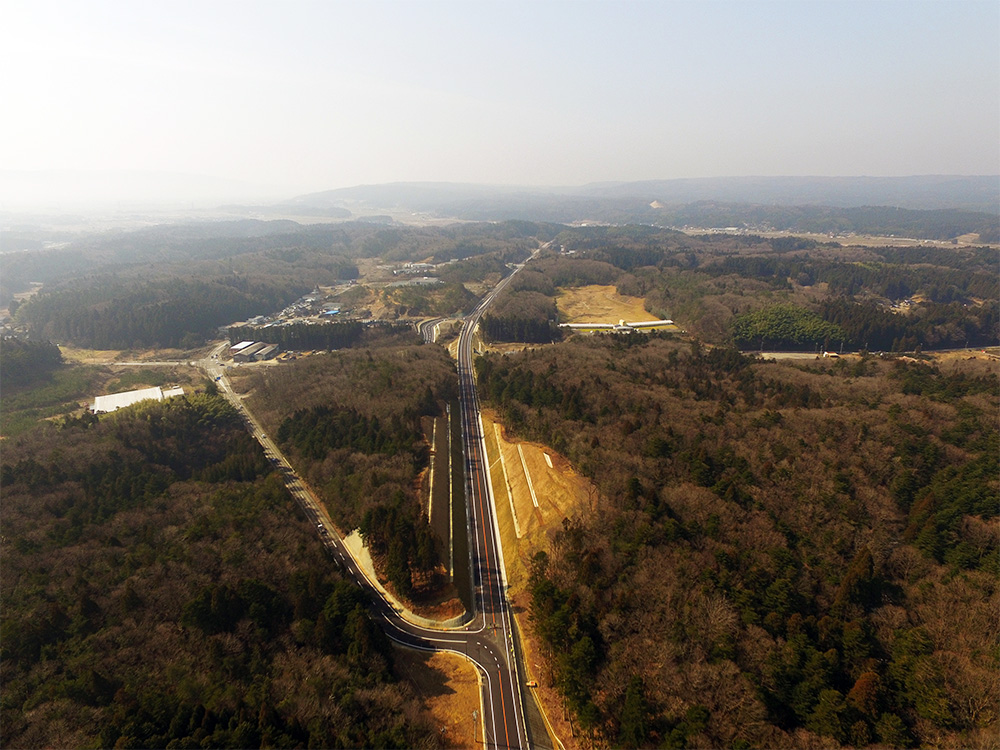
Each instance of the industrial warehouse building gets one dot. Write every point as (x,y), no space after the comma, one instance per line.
(247,353)
(253,351)
(237,348)
(268,352)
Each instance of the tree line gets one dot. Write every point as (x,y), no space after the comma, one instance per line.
(395,531)
(525,311)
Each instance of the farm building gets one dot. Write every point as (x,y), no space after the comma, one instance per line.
(236,348)
(268,352)
(247,354)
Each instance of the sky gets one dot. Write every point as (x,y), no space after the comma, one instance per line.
(292,97)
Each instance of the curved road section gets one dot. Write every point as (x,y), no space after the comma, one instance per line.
(487,640)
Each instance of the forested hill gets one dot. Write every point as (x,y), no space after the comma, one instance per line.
(162,589)
(246,246)
(783,555)
(173,286)
(175,312)
(785,293)
(24,362)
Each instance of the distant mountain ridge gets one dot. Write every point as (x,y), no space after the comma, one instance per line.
(921,192)
(924,207)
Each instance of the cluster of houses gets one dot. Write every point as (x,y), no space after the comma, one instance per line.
(253,351)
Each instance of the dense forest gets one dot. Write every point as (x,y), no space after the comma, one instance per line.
(134,253)
(23,362)
(175,312)
(162,589)
(522,316)
(780,552)
(351,423)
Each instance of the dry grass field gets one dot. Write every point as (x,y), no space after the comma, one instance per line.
(89,356)
(449,688)
(599,304)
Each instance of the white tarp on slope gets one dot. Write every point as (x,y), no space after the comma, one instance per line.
(116,401)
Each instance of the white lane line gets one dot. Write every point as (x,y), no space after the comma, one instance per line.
(430,480)
(531,487)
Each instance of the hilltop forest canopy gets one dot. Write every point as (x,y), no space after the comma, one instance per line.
(782,555)
(162,589)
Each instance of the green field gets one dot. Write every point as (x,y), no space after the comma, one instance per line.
(62,394)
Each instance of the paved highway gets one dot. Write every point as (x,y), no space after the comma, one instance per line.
(487,639)
(428,329)
(489,576)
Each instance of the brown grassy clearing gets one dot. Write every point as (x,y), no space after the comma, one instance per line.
(110,356)
(599,304)
(90,356)
(449,688)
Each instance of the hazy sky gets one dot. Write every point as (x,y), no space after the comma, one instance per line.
(301,96)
